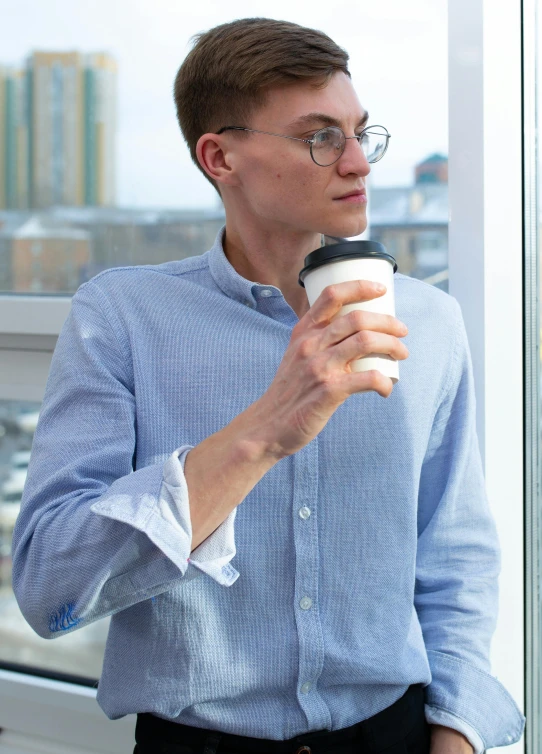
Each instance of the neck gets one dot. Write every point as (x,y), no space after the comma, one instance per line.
(272,257)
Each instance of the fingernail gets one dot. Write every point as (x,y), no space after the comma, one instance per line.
(379,287)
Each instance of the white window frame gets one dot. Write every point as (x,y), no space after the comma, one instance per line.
(485,270)
(485,262)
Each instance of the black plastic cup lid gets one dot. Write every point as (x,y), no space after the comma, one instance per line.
(343,251)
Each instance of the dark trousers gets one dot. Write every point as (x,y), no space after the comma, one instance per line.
(399,729)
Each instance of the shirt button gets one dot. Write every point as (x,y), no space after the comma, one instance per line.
(305,603)
(304,512)
(247,303)
(266,292)
(306,687)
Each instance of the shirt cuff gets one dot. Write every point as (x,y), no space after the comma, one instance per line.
(213,555)
(436,716)
(472,697)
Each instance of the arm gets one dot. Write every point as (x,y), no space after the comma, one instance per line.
(458,562)
(94,537)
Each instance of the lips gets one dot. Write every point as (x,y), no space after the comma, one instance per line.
(360,192)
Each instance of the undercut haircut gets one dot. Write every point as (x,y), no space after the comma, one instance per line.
(226,75)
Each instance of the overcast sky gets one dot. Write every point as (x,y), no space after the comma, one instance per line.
(398,61)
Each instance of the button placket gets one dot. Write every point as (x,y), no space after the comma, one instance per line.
(309,630)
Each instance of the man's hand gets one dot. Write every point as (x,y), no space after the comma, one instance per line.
(315,376)
(448,741)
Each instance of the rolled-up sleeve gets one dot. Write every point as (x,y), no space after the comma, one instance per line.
(94,536)
(457,569)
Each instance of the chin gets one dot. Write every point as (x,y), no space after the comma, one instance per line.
(346,229)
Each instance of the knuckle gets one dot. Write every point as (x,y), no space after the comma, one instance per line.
(306,348)
(383,384)
(312,366)
(315,369)
(366,338)
(358,318)
(332,294)
(327,387)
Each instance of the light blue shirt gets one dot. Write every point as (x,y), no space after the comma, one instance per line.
(365,562)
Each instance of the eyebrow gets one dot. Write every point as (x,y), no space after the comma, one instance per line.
(328,120)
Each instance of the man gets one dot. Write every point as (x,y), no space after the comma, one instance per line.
(291,563)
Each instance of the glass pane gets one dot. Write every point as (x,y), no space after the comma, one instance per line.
(78,654)
(95,172)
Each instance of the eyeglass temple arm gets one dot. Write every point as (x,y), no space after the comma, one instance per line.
(256,131)
(307,141)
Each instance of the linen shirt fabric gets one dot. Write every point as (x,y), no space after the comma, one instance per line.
(364,563)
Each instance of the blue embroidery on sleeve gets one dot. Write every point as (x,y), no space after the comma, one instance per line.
(63,618)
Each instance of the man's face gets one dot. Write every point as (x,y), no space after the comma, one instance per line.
(279,181)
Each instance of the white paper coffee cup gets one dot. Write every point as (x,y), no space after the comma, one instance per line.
(355,260)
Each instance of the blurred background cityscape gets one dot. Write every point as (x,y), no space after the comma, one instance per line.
(59,221)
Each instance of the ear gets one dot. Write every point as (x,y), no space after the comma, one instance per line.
(215,158)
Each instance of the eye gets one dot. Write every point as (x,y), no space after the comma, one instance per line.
(322,137)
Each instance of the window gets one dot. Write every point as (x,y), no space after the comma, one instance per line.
(97,174)
(162,208)
(103,177)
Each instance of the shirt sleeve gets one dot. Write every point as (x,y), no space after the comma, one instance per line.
(457,568)
(440,717)
(93,536)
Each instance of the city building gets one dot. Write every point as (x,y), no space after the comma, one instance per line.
(58,129)
(412,222)
(13,140)
(48,260)
(434,169)
(58,249)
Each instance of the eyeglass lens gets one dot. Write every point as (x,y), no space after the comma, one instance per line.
(329,144)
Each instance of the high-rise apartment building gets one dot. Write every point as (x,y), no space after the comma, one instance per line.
(59,131)
(13,140)
(100,128)
(55,100)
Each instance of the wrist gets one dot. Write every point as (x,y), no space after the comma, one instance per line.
(446,740)
(254,439)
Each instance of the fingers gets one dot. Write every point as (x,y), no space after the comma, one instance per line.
(365,382)
(334,297)
(364,343)
(356,321)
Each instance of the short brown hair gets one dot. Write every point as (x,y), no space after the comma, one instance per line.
(226,75)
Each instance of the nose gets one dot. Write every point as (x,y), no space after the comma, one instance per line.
(353,159)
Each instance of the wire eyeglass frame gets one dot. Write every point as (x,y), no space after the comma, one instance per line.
(311,142)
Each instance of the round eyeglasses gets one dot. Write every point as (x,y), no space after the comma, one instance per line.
(328,144)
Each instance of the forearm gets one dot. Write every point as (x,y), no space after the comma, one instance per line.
(313,379)
(222,469)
